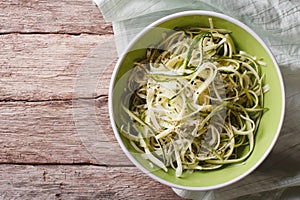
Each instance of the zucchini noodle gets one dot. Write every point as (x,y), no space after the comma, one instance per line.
(195,102)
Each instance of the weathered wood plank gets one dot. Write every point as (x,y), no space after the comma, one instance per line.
(53,106)
(79,182)
(55,16)
(53,132)
(43,67)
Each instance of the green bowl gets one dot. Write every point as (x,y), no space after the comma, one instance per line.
(271,121)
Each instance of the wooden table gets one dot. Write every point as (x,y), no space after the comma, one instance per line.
(43,45)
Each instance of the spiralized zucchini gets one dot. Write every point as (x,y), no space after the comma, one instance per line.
(195,103)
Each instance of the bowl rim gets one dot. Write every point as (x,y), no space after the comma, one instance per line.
(131,44)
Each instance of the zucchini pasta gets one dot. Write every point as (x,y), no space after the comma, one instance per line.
(195,101)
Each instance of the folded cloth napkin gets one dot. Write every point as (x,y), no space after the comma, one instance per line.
(277,22)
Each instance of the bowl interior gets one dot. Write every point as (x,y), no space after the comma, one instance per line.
(268,129)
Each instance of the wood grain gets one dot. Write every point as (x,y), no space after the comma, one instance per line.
(56,142)
(79,182)
(55,16)
(48,66)
(47,132)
